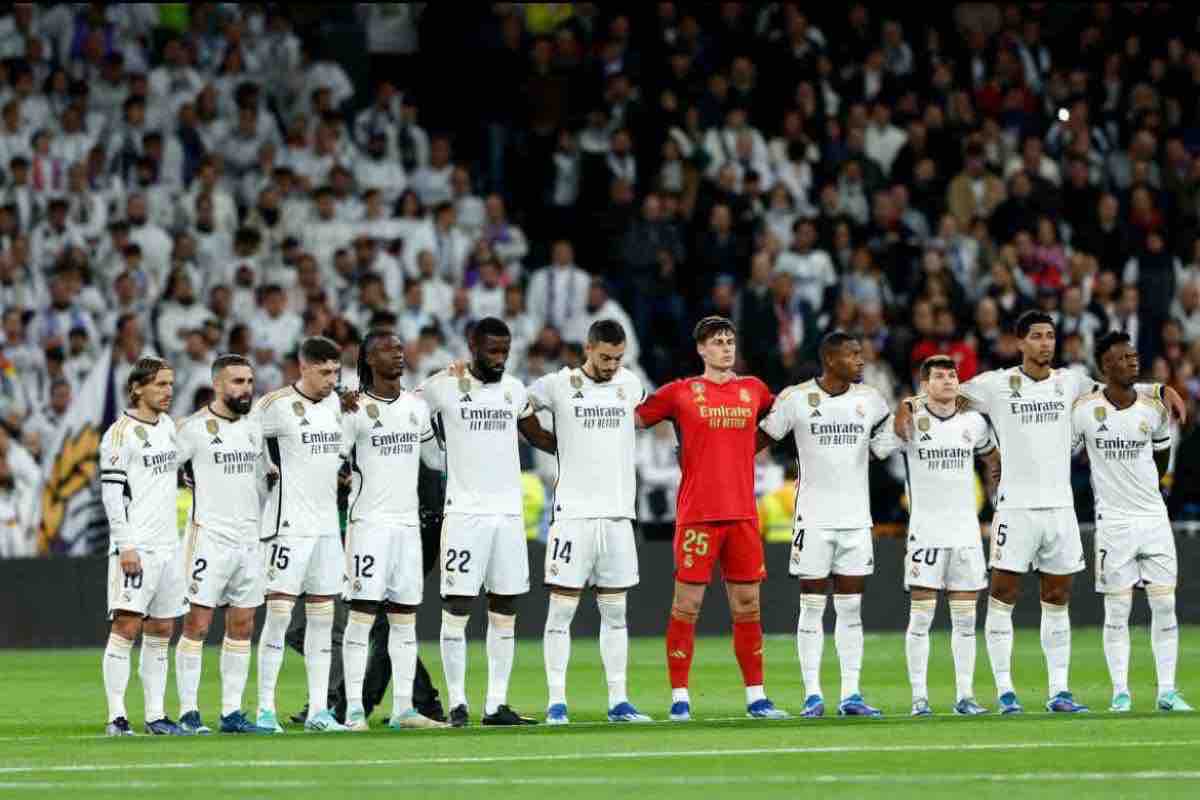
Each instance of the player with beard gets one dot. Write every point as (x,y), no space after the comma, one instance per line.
(220,449)
(477,415)
(386,436)
(1035,528)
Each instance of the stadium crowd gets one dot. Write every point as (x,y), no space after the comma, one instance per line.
(192,179)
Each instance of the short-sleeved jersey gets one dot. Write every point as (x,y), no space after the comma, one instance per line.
(939,466)
(834,434)
(717,427)
(477,423)
(595,427)
(1032,424)
(304,441)
(225,457)
(1120,445)
(142,458)
(384,439)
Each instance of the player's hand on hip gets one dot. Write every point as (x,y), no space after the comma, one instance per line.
(131,562)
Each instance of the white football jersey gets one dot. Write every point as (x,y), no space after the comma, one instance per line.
(1121,444)
(1031,421)
(477,422)
(833,433)
(142,458)
(225,457)
(384,438)
(939,467)
(595,427)
(304,441)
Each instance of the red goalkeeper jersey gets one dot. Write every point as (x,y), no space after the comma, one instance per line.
(717,426)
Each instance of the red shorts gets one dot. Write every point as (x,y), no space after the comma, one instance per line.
(737,545)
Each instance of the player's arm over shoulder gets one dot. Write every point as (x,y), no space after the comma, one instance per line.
(977,392)
(778,421)
(660,405)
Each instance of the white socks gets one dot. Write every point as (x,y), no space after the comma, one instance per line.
(556,644)
(152,669)
(235,670)
(1116,638)
(848,639)
(318,653)
(998,632)
(501,645)
(115,668)
(614,645)
(402,650)
(355,649)
(270,650)
(810,640)
(454,657)
(188,655)
(916,645)
(962,645)
(1164,634)
(1056,644)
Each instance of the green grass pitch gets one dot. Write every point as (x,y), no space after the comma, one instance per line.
(53,711)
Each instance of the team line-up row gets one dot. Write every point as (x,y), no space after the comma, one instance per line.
(265,521)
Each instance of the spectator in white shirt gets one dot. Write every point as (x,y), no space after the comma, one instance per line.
(450,247)
(178,314)
(276,329)
(883,140)
(154,241)
(506,239)
(413,318)
(468,206)
(558,291)
(600,305)
(376,170)
(487,295)
(432,181)
(51,238)
(437,295)
(810,267)
(381,118)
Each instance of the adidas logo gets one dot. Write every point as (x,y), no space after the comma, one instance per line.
(925,437)
(1015,396)
(466,398)
(1102,429)
(216,440)
(145,444)
(304,422)
(677,654)
(815,414)
(377,424)
(287,524)
(577,396)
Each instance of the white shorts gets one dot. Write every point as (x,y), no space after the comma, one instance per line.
(384,564)
(1037,540)
(591,552)
(954,569)
(483,551)
(220,573)
(158,592)
(820,552)
(308,565)
(1133,553)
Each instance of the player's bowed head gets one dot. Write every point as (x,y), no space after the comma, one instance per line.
(233,385)
(490,342)
(604,350)
(150,386)
(320,366)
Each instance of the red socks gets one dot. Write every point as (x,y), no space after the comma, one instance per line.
(748,646)
(681,642)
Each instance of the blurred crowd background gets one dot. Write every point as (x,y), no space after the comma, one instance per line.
(189,179)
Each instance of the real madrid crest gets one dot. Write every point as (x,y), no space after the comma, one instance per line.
(212,427)
(412,418)
(620,392)
(858,409)
(1101,413)
(814,399)
(1058,388)
(923,424)
(508,398)
(744,395)
(966,437)
(298,408)
(373,411)
(1144,427)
